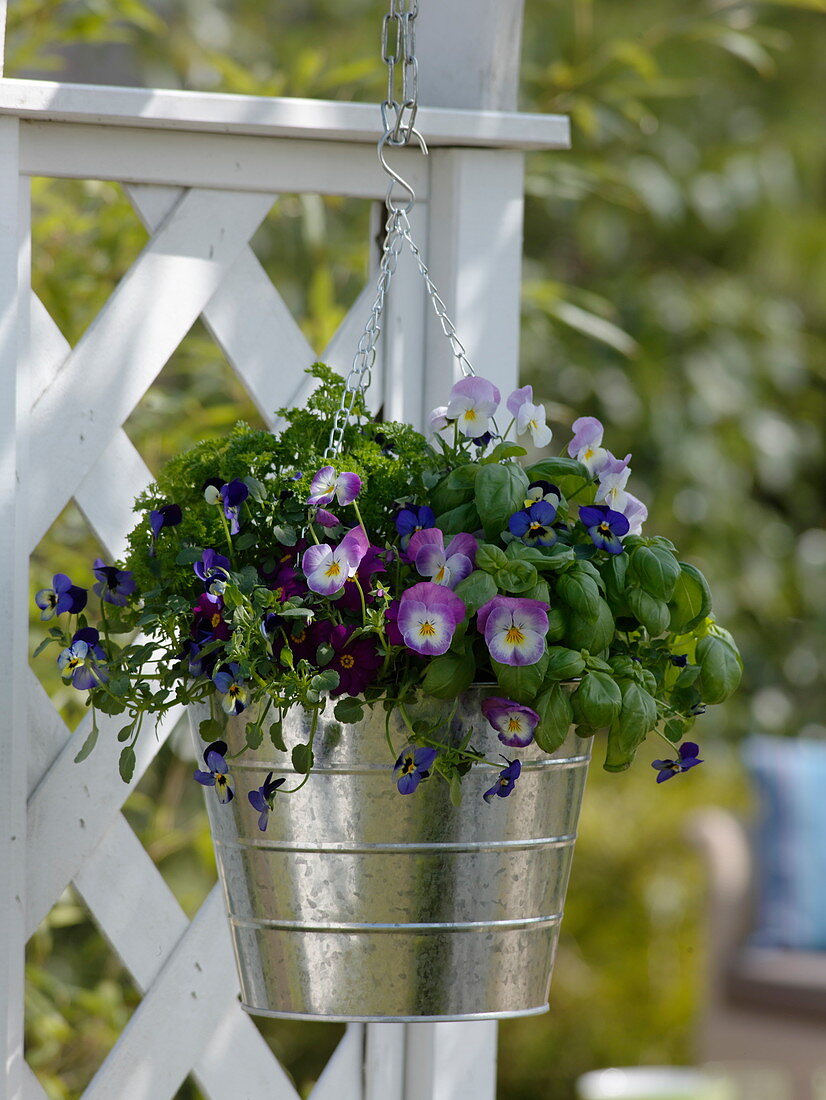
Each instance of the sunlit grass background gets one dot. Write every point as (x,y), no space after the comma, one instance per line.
(674,285)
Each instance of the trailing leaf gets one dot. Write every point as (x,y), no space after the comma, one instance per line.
(597,701)
(720,668)
(521,682)
(556,717)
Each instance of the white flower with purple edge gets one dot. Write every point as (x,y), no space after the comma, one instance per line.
(426,550)
(586,446)
(428,616)
(529,417)
(328,567)
(514,629)
(635,512)
(613,477)
(513,722)
(437,421)
(473,401)
(327,483)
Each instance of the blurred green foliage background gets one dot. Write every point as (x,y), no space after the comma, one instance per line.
(674,286)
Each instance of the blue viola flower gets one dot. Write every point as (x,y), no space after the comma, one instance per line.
(270,626)
(211,568)
(605,526)
(412,518)
(81,662)
(481,441)
(231,496)
(62,596)
(506,781)
(217,774)
(533,525)
(168,515)
(679,660)
(191,654)
(232,687)
(412,767)
(688,754)
(114,585)
(262,799)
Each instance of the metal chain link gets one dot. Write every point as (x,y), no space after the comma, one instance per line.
(398,119)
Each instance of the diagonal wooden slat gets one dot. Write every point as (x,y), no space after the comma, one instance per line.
(246,315)
(130,340)
(343,1076)
(74,803)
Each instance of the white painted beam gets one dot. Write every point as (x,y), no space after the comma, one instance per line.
(317,119)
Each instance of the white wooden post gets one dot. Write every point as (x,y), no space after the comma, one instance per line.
(14,279)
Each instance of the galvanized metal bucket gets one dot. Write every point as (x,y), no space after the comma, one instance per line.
(359,903)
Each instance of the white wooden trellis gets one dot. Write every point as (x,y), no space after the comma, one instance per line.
(202,171)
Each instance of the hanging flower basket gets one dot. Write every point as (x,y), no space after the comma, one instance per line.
(357,904)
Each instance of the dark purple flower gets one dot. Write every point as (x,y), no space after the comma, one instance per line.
(217,773)
(680,660)
(505,783)
(305,641)
(212,567)
(533,525)
(412,518)
(426,550)
(391,620)
(688,754)
(482,440)
(191,653)
(262,799)
(233,689)
(168,515)
(114,585)
(357,661)
(412,766)
(62,596)
(208,622)
(605,526)
(513,722)
(230,496)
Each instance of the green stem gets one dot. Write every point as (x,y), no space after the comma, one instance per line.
(361,521)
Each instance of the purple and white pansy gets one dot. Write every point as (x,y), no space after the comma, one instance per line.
(586,446)
(428,616)
(513,722)
(217,774)
(473,401)
(514,628)
(328,567)
(426,550)
(529,417)
(328,483)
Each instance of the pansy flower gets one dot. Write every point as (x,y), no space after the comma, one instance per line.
(168,515)
(217,774)
(373,562)
(231,496)
(529,417)
(114,585)
(326,519)
(426,550)
(437,421)
(328,567)
(412,518)
(208,618)
(605,526)
(234,690)
(533,525)
(472,403)
(262,799)
(356,660)
(514,629)
(213,567)
(412,766)
(513,722)
(62,596)
(391,623)
(586,446)
(505,783)
(635,512)
(613,477)
(428,616)
(688,754)
(327,483)
(542,490)
(80,661)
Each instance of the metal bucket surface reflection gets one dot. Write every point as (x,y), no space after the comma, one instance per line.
(359,903)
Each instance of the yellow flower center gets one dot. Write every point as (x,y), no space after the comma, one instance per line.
(427,629)
(333,569)
(216,619)
(514,724)
(470,414)
(347,660)
(514,635)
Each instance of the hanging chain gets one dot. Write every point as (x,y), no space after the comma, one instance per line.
(398,48)
(398,42)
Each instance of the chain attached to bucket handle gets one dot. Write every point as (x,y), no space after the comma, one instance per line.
(398,120)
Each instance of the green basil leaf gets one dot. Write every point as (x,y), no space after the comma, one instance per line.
(651,612)
(580,592)
(556,717)
(521,683)
(516,577)
(564,664)
(503,450)
(690,602)
(457,520)
(593,635)
(654,569)
(476,590)
(597,701)
(455,489)
(449,675)
(720,669)
(490,558)
(500,491)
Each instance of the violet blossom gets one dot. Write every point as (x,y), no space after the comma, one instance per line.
(529,417)
(262,799)
(328,567)
(473,401)
(513,722)
(62,596)
(114,585)
(327,483)
(428,616)
(505,783)
(412,766)
(514,629)
(412,518)
(689,757)
(217,774)
(586,446)
(605,526)
(426,550)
